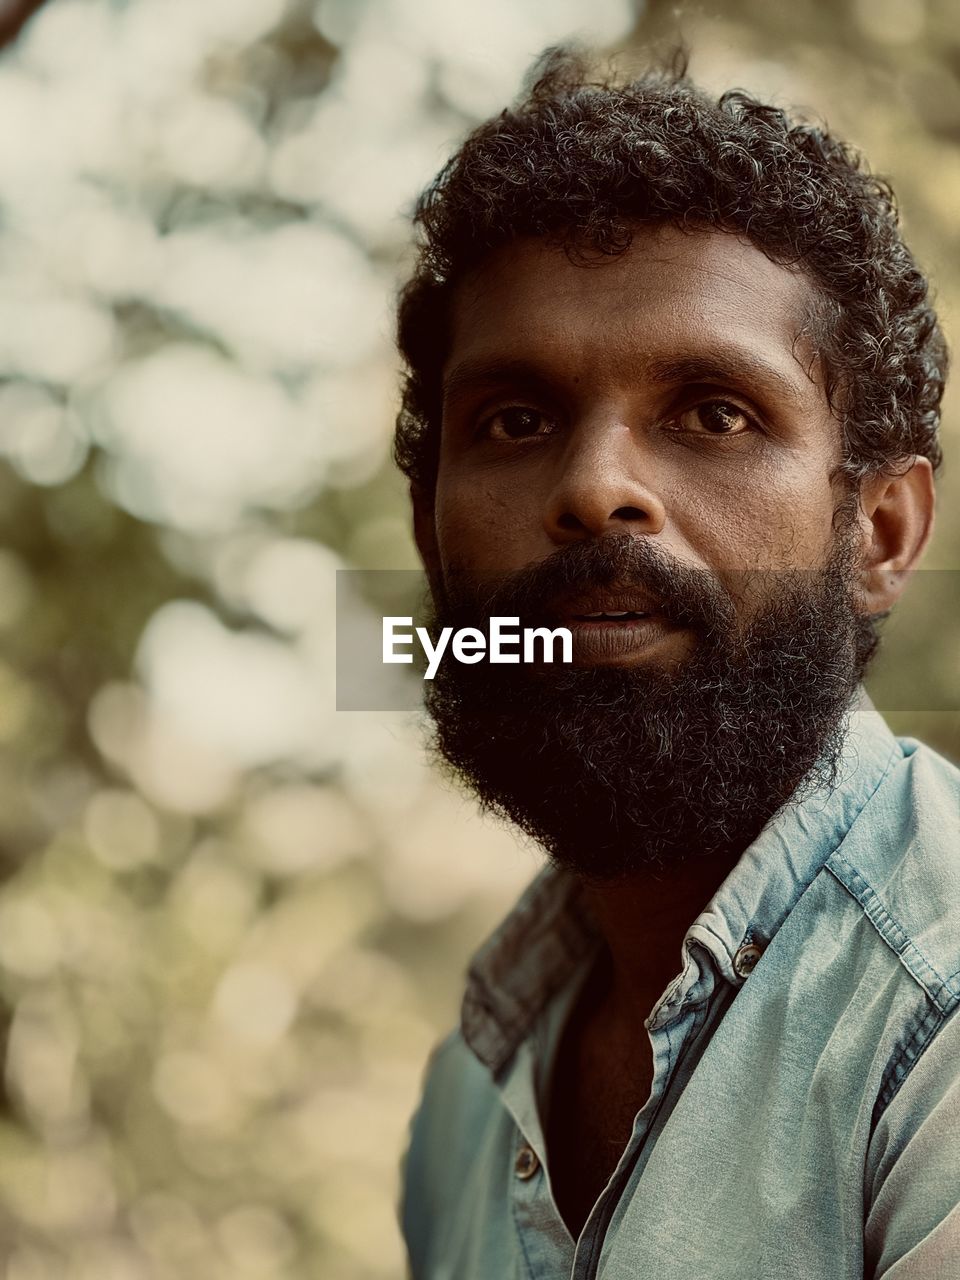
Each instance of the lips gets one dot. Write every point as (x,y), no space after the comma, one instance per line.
(608,605)
(614,626)
(610,615)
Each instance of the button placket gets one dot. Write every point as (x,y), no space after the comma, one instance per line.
(745,960)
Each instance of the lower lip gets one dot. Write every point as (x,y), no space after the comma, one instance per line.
(622,643)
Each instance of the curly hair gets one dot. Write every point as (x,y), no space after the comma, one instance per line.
(583,162)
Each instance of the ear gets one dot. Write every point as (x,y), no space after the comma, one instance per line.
(425,531)
(896,518)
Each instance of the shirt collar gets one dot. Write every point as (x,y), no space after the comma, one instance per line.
(550,932)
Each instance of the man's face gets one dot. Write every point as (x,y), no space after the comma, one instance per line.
(663,393)
(637,449)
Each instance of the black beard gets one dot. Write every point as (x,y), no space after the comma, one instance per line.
(615,769)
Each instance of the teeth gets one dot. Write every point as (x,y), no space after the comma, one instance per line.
(615,615)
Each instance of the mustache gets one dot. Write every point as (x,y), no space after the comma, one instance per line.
(685,596)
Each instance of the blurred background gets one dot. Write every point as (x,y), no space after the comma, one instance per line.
(233,921)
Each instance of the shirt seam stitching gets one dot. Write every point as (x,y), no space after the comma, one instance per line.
(909,1054)
(893,934)
(895,754)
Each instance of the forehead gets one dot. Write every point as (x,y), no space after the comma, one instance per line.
(672,293)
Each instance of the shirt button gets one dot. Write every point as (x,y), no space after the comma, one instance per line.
(745,961)
(526,1164)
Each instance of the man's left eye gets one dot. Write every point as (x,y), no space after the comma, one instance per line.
(716,418)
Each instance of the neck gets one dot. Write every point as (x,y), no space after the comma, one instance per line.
(643,919)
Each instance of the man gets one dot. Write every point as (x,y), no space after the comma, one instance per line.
(673,381)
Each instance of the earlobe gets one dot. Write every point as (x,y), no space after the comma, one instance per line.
(896,514)
(425,532)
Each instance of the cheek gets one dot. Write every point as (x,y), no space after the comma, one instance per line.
(771,517)
(773,541)
(799,527)
(482,528)
(752,527)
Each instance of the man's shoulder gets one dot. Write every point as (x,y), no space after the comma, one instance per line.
(928,768)
(901,862)
(452,1127)
(451,1077)
(454,1105)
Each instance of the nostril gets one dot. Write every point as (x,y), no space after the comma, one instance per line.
(570,523)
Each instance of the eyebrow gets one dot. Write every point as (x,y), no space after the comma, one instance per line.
(471,374)
(727,366)
(730,365)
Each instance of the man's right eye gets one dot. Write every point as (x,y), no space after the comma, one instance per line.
(516,423)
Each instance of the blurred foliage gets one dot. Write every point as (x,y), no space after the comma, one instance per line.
(232,921)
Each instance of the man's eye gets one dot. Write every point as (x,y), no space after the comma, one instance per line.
(516,424)
(716,418)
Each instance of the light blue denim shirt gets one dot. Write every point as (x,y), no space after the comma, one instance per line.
(804,1117)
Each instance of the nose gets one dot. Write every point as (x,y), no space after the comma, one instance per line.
(605,484)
